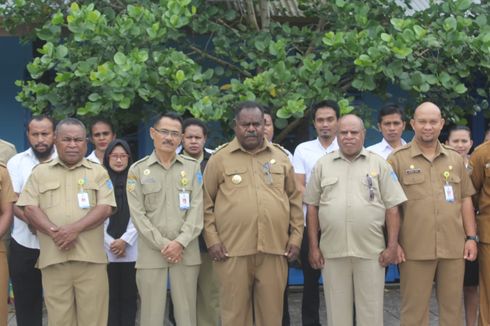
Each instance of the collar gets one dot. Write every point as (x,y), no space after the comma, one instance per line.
(33,156)
(235,146)
(333,145)
(199,159)
(84,162)
(415,149)
(384,144)
(338,155)
(154,159)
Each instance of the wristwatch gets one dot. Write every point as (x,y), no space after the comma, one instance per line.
(473,237)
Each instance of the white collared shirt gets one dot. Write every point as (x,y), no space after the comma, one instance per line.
(383,148)
(93,158)
(20,167)
(306,155)
(130,237)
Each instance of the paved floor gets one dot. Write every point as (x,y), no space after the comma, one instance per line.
(391,308)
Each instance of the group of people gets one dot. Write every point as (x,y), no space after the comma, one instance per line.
(91,235)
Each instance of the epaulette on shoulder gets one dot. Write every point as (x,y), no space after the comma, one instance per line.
(4,142)
(402,148)
(4,165)
(484,144)
(220,147)
(187,157)
(141,160)
(449,148)
(285,151)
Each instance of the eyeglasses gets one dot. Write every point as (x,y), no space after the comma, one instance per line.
(76,140)
(101,134)
(166,133)
(116,157)
(370,187)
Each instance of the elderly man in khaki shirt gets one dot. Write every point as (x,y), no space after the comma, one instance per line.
(67,200)
(438,228)
(165,200)
(253,221)
(351,194)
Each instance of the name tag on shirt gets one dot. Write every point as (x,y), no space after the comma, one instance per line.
(449,193)
(83,200)
(184,200)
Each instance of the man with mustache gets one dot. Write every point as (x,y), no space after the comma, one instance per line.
(438,229)
(165,200)
(24,245)
(67,199)
(253,221)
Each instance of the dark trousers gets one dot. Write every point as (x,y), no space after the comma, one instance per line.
(27,285)
(311,291)
(286,321)
(122,294)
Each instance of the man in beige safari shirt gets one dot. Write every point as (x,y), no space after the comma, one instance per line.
(350,195)
(66,200)
(165,200)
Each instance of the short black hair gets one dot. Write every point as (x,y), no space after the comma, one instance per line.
(195,122)
(103,121)
(247,105)
(330,104)
(457,128)
(70,122)
(171,115)
(41,118)
(391,108)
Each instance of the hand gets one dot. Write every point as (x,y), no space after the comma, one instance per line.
(315,258)
(118,247)
(173,252)
(218,252)
(389,256)
(470,250)
(400,253)
(292,252)
(64,236)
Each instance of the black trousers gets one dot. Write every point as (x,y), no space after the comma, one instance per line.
(27,285)
(122,294)
(311,291)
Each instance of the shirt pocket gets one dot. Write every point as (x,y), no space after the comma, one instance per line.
(328,186)
(49,194)
(152,194)
(236,177)
(370,185)
(278,177)
(413,185)
(455,182)
(91,189)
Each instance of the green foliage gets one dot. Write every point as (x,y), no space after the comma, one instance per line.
(202,57)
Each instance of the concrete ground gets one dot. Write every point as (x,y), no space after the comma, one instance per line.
(391,308)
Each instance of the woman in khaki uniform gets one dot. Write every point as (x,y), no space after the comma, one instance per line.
(7,197)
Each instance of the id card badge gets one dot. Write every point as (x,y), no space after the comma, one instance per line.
(449,193)
(184,200)
(83,201)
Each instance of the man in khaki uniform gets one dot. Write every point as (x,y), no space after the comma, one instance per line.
(480,175)
(438,224)
(165,200)
(253,221)
(352,192)
(7,197)
(7,150)
(67,199)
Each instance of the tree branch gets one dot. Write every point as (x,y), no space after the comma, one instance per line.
(290,127)
(252,20)
(319,28)
(265,19)
(220,61)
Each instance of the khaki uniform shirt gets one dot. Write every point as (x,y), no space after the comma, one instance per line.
(54,188)
(7,194)
(432,227)
(153,197)
(480,175)
(351,215)
(7,150)
(251,201)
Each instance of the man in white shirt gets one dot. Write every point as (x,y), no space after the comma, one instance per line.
(325,115)
(24,245)
(101,134)
(391,124)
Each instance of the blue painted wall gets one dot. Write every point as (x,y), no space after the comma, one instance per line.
(13,58)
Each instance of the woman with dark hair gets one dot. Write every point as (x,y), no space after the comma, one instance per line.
(120,240)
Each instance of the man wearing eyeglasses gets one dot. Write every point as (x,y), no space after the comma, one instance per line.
(351,194)
(165,201)
(66,200)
